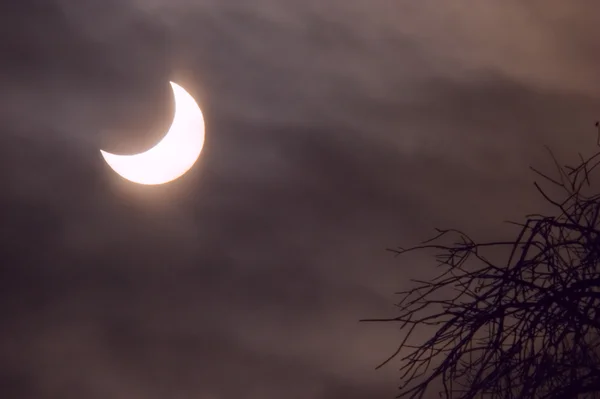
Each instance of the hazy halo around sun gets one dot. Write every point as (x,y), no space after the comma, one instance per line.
(174,155)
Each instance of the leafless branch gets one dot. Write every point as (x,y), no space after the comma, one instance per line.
(524,326)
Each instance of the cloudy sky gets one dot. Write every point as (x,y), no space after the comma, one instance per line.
(334,130)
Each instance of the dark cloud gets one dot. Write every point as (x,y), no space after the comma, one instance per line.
(333,132)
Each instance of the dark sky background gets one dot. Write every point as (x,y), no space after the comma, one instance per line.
(334,130)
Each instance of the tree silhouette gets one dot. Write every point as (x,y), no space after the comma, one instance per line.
(526,326)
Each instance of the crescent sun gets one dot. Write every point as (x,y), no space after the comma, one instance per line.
(174,155)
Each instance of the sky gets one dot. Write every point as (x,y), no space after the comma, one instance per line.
(334,130)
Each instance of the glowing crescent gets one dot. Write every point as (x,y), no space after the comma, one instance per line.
(174,155)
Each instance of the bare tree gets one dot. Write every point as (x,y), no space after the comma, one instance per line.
(526,326)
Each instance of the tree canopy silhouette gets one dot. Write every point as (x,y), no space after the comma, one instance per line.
(524,326)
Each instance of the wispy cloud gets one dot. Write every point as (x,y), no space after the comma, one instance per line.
(334,130)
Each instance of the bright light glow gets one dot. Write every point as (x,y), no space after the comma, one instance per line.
(174,154)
